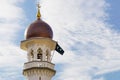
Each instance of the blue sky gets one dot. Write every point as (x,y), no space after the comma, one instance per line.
(114,14)
(89,32)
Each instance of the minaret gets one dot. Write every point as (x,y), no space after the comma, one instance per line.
(38,44)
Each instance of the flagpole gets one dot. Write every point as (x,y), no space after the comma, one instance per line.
(52,55)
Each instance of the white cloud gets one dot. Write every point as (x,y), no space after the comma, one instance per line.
(80,26)
(91,48)
(11,57)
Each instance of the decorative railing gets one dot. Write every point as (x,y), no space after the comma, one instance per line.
(38,64)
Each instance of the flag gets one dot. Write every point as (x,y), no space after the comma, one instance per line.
(59,49)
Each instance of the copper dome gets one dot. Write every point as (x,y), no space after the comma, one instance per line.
(39,29)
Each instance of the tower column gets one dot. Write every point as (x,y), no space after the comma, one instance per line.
(49,56)
(35,55)
(44,55)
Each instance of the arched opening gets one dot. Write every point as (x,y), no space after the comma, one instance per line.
(39,55)
(47,55)
(31,54)
(39,78)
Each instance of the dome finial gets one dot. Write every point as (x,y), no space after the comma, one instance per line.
(38,14)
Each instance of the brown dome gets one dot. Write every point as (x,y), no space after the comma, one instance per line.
(39,29)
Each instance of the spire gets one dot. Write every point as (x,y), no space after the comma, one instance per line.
(38,13)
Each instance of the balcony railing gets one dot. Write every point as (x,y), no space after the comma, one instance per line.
(38,64)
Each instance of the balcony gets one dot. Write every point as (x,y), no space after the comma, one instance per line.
(39,64)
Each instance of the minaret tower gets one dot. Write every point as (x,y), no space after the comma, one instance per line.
(38,44)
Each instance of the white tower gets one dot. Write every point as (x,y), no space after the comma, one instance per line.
(38,45)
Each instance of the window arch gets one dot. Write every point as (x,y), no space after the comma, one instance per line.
(39,78)
(39,55)
(47,55)
(31,54)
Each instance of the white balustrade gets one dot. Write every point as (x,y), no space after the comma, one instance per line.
(38,64)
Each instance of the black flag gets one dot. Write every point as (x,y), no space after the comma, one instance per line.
(59,49)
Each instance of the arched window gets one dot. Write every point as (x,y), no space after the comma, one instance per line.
(39,55)
(47,53)
(39,78)
(31,54)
